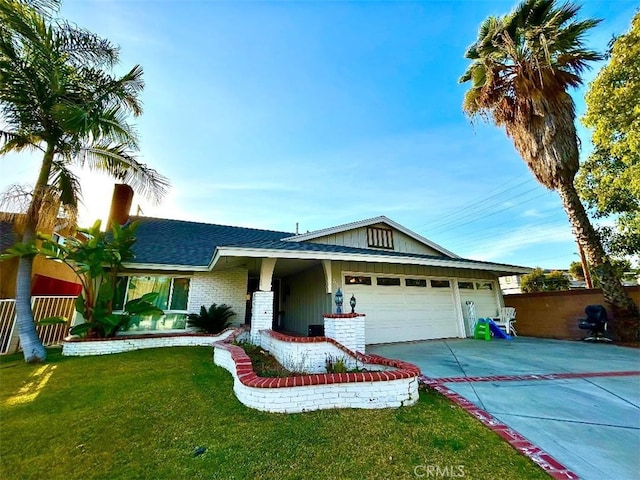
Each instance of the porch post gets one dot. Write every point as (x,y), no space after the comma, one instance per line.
(261,314)
(326,266)
(262,301)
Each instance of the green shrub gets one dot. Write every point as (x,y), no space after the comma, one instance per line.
(213,320)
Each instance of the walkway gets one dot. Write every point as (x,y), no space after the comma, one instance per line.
(578,402)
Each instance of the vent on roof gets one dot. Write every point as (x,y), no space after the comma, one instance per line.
(380,237)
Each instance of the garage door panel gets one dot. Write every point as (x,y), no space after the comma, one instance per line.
(400,314)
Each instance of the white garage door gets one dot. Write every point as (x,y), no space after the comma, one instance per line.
(401,309)
(483,295)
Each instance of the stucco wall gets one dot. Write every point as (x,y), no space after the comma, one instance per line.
(226,286)
(556,314)
(41,266)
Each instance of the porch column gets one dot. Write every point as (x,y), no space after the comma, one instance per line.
(261,314)
(326,266)
(262,301)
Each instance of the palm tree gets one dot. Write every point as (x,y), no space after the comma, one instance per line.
(522,65)
(57,96)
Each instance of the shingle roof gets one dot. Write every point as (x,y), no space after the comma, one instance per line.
(177,242)
(8,235)
(182,243)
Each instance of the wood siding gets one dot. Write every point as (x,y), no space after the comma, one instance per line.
(338,267)
(304,300)
(358,238)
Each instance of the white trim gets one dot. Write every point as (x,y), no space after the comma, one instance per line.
(266,273)
(161,266)
(362,257)
(366,223)
(326,266)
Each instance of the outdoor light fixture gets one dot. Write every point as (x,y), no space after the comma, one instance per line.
(352,302)
(338,300)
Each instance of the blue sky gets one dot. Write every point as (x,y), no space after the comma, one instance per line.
(268,114)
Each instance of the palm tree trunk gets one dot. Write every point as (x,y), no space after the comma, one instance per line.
(32,347)
(31,344)
(626,318)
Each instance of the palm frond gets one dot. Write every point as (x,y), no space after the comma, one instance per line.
(117,161)
(67,184)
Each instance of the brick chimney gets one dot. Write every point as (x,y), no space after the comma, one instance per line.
(120,204)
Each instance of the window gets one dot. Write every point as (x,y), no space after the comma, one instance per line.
(440,283)
(173,296)
(415,282)
(465,285)
(484,286)
(388,281)
(380,237)
(352,280)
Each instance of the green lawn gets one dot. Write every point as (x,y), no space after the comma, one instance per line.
(143,414)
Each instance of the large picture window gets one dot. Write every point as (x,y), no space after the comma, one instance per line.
(173,294)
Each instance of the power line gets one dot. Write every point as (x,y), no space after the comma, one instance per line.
(454,212)
(456,224)
(464,241)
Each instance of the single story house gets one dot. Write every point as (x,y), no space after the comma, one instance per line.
(408,287)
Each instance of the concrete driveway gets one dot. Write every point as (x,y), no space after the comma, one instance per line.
(580,402)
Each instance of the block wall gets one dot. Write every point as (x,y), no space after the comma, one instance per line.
(106,346)
(261,314)
(227,286)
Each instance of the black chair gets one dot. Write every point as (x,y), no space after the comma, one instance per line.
(596,323)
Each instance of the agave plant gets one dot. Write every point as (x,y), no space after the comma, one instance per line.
(213,320)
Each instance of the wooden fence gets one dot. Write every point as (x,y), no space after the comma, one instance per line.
(43,307)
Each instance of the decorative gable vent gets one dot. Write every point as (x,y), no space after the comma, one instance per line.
(380,237)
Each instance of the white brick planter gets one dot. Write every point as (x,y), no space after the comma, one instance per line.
(393,384)
(80,347)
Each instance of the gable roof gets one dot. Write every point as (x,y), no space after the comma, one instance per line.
(165,244)
(367,223)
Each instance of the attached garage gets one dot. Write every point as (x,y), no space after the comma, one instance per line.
(485,297)
(404,308)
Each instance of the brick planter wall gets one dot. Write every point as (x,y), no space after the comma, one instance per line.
(80,347)
(346,328)
(394,384)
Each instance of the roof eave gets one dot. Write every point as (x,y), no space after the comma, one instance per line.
(363,257)
(165,267)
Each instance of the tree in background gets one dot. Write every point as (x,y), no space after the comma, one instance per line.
(522,65)
(576,271)
(538,281)
(622,266)
(59,97)
(609,181)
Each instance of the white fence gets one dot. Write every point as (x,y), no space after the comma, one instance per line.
(43,307)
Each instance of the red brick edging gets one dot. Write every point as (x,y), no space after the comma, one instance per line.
(543,376)
(248,377)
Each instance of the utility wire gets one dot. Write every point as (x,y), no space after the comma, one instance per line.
(476,219)
(454,212)
(463,242)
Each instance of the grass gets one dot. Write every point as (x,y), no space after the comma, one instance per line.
(143,415)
